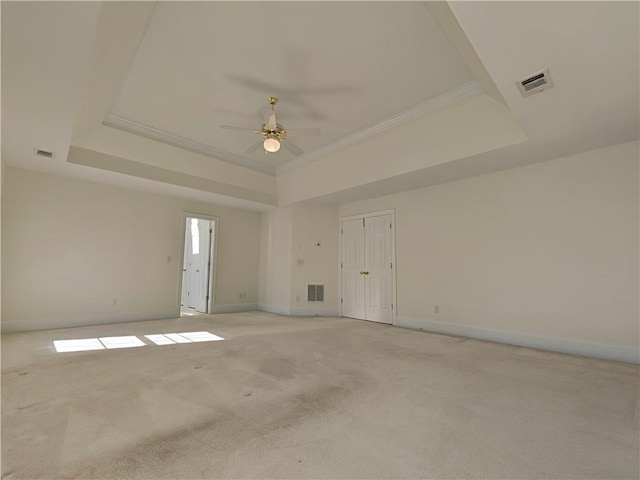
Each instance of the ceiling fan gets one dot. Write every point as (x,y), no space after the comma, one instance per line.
(273,135)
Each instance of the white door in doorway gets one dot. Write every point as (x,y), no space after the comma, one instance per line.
(196,265)
(367,268)
(353,282)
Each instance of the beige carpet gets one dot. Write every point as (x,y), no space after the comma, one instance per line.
(311,398)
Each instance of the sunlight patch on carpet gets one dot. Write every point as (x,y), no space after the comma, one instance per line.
(130,341)
(78,345)
(122,342)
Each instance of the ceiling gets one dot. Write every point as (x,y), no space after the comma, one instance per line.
(133,93)
(333,65)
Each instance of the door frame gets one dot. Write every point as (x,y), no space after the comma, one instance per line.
(213,252)
(360,216)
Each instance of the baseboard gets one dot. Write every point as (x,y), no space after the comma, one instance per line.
(320,311)
(30,325)
(274,309)
(235,308)
(619,353)
(312,311)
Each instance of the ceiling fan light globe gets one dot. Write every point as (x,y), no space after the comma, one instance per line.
(271,145)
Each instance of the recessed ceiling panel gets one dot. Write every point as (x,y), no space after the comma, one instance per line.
(337,66)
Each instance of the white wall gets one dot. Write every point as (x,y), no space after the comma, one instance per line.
(290,259)
(275,260)
(546,250)
(311,264)
(70,247)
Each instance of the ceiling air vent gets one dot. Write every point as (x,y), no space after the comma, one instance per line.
(43,153)
(535,83)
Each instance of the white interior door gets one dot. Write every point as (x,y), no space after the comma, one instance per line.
(353,287)
(197,255)
(186,260)
(367,268)
(378,269)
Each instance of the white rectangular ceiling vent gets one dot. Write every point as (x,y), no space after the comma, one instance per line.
(535,83)
(44,153)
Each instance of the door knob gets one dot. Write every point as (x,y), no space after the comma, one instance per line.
(197,270)
(184,269)
(366,273)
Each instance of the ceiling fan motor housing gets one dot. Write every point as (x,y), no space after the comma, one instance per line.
(279,132)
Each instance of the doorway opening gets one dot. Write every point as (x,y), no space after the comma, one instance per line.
(198,264)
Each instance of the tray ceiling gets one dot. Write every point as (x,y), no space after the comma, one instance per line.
(338,66)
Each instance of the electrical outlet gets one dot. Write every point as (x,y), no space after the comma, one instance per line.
(115,302)
(436,309)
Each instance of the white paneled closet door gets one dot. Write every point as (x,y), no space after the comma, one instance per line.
(378,268)
(367,268)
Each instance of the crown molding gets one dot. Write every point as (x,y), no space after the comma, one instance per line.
(143,130)
(468,90)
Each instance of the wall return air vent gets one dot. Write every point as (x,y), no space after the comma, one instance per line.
(535,83)
(315,293)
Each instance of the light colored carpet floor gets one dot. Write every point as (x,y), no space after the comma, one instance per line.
(311,398)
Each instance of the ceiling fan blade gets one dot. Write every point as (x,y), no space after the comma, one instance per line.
(254,146)
(303,132)
(230,127)
(292,147)
(269,117)
(294,91)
